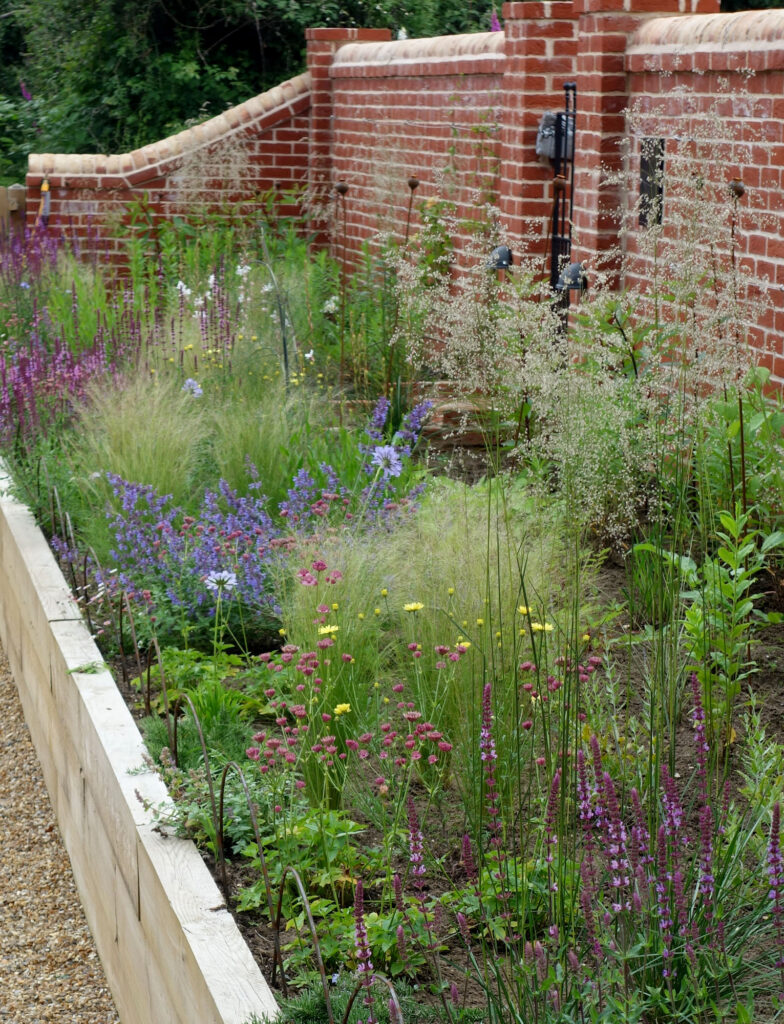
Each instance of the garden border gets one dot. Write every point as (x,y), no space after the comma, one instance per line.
(169,946)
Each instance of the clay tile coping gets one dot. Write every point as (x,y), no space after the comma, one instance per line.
(438,48)
(745,29)
(218,127)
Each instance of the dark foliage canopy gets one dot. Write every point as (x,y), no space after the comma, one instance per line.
(109,75)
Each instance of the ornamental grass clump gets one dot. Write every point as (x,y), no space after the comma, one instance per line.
(167,556)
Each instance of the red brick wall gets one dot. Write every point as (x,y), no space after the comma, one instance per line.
(720,80)
(251,149)
(460,114)
(430,109)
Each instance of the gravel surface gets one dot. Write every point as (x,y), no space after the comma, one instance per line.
(49,970)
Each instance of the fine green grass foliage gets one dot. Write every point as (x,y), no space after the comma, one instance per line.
(154,429)
(425,565)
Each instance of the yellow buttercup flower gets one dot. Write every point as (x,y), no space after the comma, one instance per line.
(342,709)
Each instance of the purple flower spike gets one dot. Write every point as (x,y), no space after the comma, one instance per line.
(364,963)
(415,843)
(776,882)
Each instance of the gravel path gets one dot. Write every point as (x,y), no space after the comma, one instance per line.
(49,970)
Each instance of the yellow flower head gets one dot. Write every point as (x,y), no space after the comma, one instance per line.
(342,709)
(326,630)
(542,627)
(413,606)
(384,592)
(451,591)
(524,609)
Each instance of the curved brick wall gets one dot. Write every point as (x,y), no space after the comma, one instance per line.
(252,148)
(461,113)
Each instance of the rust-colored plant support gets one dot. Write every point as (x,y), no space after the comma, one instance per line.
(278,959)
(216,824)
(342,188)
(126,604)
(396,1012)
(313,933)
(413,184)
(737,190)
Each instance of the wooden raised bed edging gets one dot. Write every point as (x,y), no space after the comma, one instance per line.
(170,949)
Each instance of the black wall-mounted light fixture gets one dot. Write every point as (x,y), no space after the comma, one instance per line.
(573,278)
(500,258)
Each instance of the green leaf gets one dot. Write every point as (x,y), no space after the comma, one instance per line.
(743,1014)
(732,525)
(773,540)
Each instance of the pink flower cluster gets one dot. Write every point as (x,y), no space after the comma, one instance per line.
(307,579)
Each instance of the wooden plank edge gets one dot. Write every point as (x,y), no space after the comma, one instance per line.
(29,574)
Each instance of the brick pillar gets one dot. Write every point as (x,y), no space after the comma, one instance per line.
(541,48)
(322,44)
(604,29)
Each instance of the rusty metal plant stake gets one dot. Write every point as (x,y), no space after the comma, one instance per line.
(398,1012)
(313,933)
(126,604)
(413,184)
(737,190)
(278,959)
(341,189)
(216,824)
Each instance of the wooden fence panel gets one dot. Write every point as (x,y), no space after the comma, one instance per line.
(12,210)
